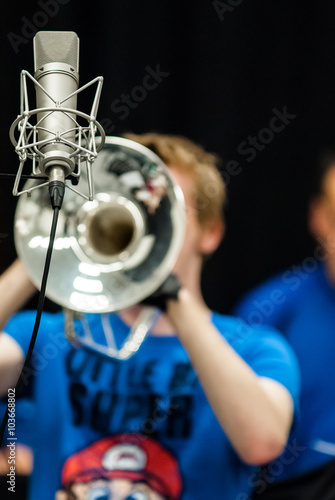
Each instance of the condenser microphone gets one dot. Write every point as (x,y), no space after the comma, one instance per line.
(56,66)
(52,136)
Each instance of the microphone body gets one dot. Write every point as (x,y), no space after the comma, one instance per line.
(56,61)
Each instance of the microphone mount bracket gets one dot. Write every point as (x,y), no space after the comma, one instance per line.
(24,136)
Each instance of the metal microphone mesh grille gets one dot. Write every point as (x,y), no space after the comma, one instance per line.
(56,46)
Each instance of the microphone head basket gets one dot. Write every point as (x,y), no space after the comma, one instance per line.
(114,251)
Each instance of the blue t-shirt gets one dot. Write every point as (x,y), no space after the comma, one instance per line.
(82,396)
(301,304)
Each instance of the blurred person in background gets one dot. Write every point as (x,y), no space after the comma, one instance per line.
(300,303)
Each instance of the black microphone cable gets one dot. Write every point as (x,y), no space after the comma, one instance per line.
(56,190)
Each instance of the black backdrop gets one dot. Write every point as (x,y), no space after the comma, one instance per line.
(227,68)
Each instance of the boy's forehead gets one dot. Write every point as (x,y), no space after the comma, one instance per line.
(185,180)
(329,184)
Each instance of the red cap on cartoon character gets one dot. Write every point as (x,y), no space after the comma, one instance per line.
(128,456)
